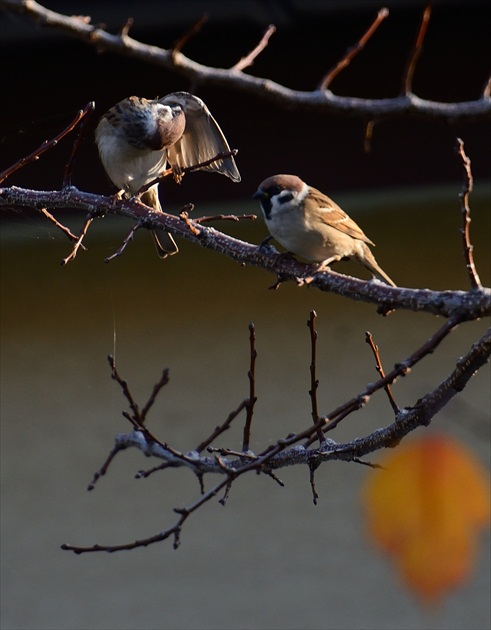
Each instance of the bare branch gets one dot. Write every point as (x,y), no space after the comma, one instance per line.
(126,27)
(352,52)
(295,448)
(313,466)
(78,242)
(126,242)
(324,100)
(407,84)
(252,393)
(474,304)
(487,89)
(188,169)
(194,30)
(222,428)
(104,468)
(314,383)
(466,217)
(86,113)
(248,60)
(400,369)
(156,389)
(124,386)
(48,144)
(280,455)
(380,370)
(225,217)
(60,226)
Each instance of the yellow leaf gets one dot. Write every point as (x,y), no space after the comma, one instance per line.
(425,509)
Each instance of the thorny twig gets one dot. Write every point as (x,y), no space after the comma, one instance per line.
(466,218)
(251,401)
(314,383)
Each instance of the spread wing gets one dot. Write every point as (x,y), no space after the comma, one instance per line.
(335,217)
(202,138)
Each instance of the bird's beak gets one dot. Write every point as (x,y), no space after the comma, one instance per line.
(260,194)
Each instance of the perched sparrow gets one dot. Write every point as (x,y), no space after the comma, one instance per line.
(137,137)
(311,225)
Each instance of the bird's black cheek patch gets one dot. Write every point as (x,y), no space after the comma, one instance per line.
(266,206)
(285,197)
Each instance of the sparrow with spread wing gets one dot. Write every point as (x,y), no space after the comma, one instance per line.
(138,137)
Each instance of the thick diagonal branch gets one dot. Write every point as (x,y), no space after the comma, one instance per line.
(471,304)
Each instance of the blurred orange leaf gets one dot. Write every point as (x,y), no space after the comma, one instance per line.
(425,509)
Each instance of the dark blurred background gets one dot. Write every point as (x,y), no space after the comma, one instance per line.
(48,76)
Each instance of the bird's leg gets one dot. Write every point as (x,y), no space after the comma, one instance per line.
(178,174)
(264,243)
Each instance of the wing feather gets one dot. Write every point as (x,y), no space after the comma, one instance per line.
(202,138)
(335,217)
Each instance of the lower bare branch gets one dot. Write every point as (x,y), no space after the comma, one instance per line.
(280,455)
